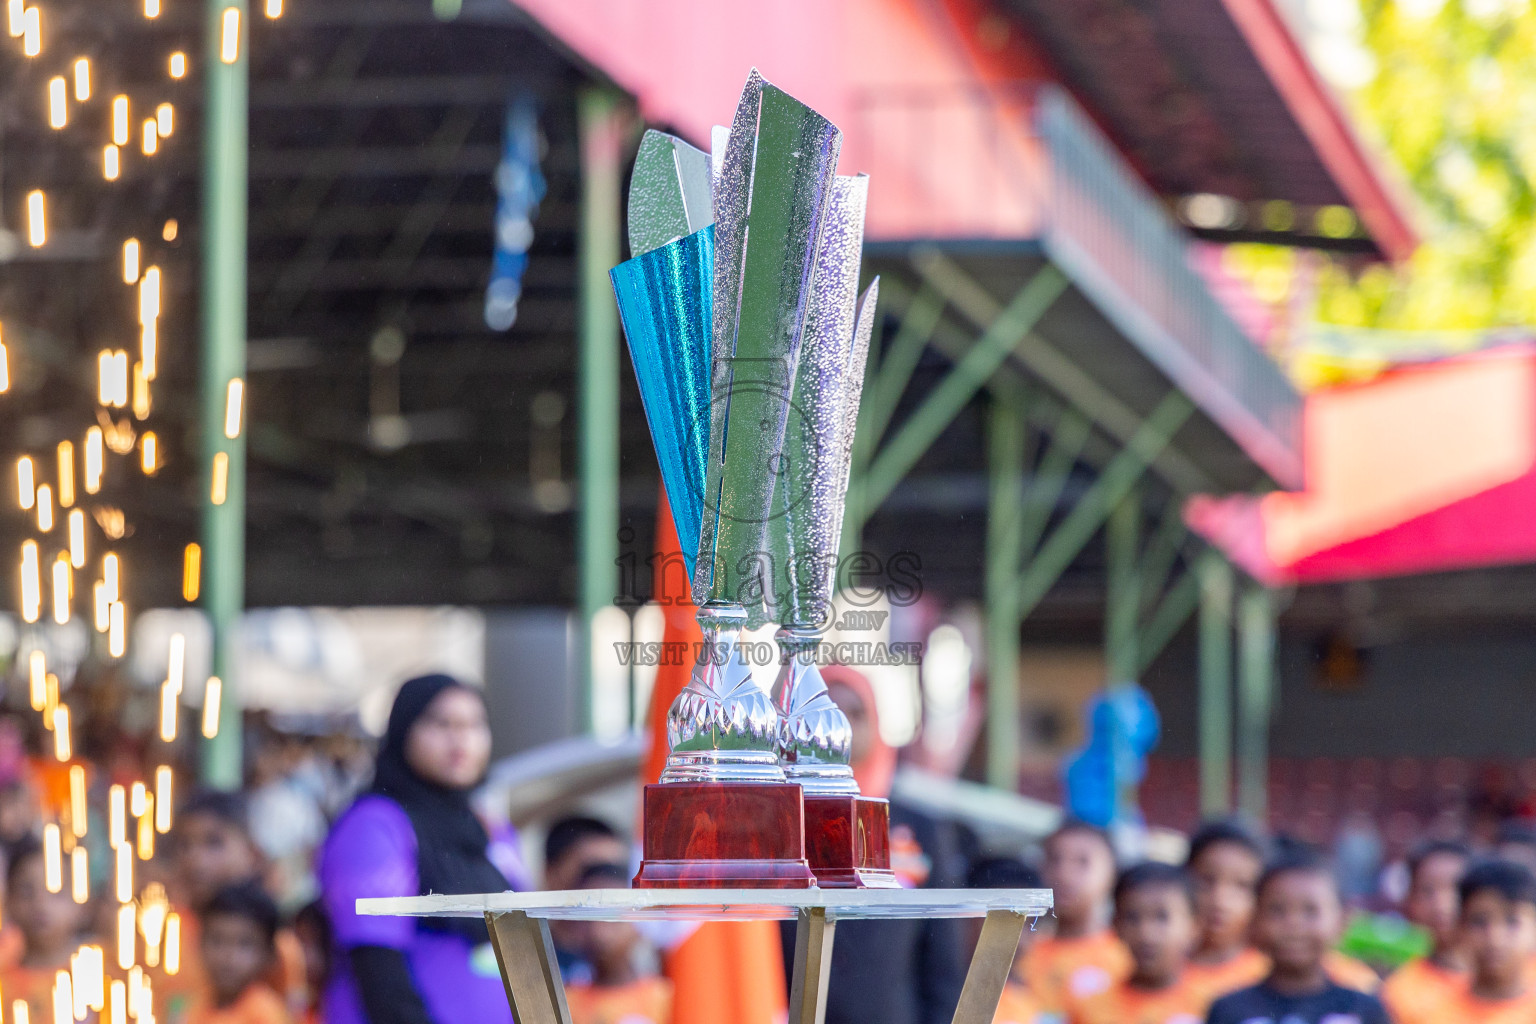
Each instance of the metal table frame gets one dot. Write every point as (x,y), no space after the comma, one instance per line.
(519,927)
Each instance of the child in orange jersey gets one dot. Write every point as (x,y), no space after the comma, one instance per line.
(620,993)
(1225,861)
(239,946)
(1224,865)
(1498,931)
(1433,904)
(1083,957)
(50,924)
(213,850)
(1155,918)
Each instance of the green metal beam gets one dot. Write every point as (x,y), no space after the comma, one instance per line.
(1175,608)
(1005,465)
(959,386)
(897,361)
(1216,587)
(603,130)
(225,222)
(1113,484)
(1045,407)
(920,315)
(1255,682)
(1068,435)
(1057,370)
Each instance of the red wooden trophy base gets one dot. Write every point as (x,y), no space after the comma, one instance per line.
(848,842)
(724,835)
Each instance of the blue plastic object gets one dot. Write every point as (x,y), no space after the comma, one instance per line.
(1123,728)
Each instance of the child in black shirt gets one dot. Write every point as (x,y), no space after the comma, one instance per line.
(1298,920)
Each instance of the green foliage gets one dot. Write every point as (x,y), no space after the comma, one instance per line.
(1453,102)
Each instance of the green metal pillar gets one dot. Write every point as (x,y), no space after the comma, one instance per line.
(225,135)
(1122,539)
(1255,680)
(1216,585)
(602,129)
(1005,461)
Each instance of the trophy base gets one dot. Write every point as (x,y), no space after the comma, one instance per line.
(848,841)
(724,835)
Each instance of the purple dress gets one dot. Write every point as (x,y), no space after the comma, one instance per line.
(371,851)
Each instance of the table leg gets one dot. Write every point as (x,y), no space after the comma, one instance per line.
(994,956)
(528,968)
(813,966)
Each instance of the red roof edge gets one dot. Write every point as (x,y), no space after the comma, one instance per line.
(1380,204)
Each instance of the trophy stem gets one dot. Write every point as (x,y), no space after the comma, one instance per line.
(722,727)
(815,739)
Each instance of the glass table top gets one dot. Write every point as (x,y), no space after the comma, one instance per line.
(719,904)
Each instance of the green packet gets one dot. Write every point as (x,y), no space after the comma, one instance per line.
(1385,941)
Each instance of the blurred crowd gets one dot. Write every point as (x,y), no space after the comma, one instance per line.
(239,908)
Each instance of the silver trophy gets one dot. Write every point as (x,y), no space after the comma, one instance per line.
(773,181)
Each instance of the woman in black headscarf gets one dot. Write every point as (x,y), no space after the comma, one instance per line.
(414,833)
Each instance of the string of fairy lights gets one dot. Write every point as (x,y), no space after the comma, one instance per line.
(59,491)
